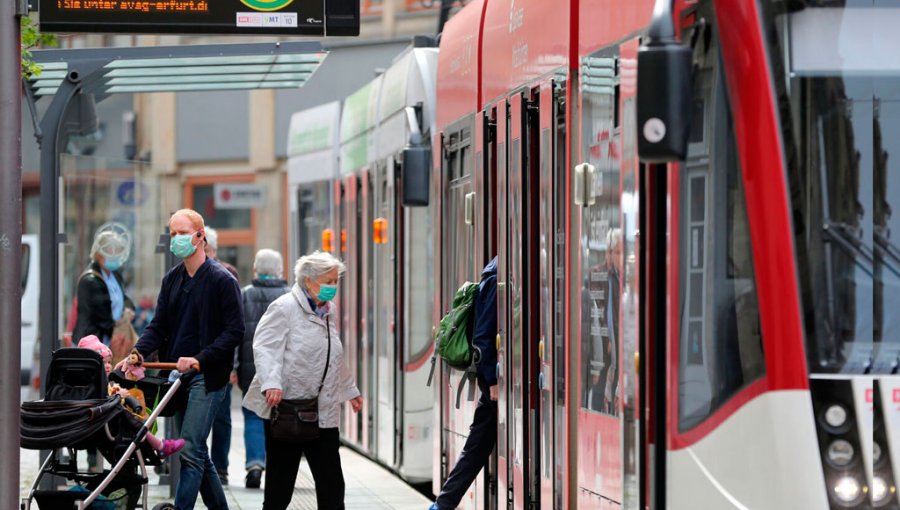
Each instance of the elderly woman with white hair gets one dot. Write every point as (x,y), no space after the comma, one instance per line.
(301,380)
(100,291)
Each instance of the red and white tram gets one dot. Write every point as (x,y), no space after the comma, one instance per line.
(714,333)
(710,330)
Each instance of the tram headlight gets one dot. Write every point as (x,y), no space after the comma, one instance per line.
(840,453)
(836,416)
(876,452)
(847,490)
(880,491)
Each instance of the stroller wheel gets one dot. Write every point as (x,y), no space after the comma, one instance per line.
(164,506)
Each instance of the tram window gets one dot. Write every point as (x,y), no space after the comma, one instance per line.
(720,341)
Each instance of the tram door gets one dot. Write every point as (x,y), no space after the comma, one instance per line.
(519,300)
(385,305)
(366,337)
(549,245)
(351,296)
(459,264)
(600,277)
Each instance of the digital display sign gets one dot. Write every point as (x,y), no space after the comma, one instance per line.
(230,17)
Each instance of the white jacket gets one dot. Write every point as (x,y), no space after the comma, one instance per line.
(289,350)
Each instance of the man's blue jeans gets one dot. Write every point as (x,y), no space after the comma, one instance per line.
(221,434)
(198,474)
(254,439)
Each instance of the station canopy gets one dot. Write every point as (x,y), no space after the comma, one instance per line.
(278,65)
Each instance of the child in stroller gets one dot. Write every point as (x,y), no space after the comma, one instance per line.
(77,414)
(164,447)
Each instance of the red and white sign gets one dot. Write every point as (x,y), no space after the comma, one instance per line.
(239,196)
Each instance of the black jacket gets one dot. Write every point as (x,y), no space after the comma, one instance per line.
(484,334)
(94,306)
(257,297)
(219,321)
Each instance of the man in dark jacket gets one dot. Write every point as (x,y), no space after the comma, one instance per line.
(268,285)
(198,323)
(483,432)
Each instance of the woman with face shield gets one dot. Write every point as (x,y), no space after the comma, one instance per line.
(103,308)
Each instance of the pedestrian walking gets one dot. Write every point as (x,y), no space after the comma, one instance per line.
(483,432)
(301,380)
(268,284)
(198,323)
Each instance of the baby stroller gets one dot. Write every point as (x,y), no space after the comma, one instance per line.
(77,414)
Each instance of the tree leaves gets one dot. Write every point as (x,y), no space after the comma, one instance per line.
(32,38)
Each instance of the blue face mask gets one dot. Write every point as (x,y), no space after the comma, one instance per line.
(112,264)
(181,245)
(326,292)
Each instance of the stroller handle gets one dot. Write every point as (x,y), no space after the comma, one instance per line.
(194,370)
(165,366)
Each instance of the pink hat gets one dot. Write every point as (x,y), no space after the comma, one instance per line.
(94,343)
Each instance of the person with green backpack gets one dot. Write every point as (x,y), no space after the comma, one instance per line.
(483,432)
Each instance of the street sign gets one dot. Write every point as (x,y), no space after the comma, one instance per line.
(269,17)
(238,196)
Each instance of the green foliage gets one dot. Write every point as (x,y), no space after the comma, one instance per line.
(32,38)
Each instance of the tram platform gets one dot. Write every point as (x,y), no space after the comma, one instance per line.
(368,485)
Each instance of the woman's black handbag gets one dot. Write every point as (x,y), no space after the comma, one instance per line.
(297,420)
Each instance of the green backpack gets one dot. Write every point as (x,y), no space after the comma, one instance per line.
(454,335)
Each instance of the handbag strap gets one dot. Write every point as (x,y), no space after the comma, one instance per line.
(328,355)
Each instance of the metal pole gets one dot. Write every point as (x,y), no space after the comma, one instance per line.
(10,246)
(48,325)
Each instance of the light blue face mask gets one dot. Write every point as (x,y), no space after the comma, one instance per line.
(112,264)
(326,292)
(181,245)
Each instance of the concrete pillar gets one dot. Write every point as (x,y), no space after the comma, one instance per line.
(262,130)
(389,18)
(162,132)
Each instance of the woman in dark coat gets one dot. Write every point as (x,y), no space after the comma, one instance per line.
(268,285)
(101,291)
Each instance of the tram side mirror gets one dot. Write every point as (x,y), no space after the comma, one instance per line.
(416,171)
(416,175)
(663,101)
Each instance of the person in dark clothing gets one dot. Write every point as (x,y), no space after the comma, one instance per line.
(198,323)
(101,292)
(221,429)
(268,285)
(483,432)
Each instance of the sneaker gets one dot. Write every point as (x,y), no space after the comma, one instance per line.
(223,477)
(254,477)
(170,446)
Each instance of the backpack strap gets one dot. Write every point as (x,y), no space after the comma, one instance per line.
(468,376)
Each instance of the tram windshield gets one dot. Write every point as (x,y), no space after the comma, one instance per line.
(837,74)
